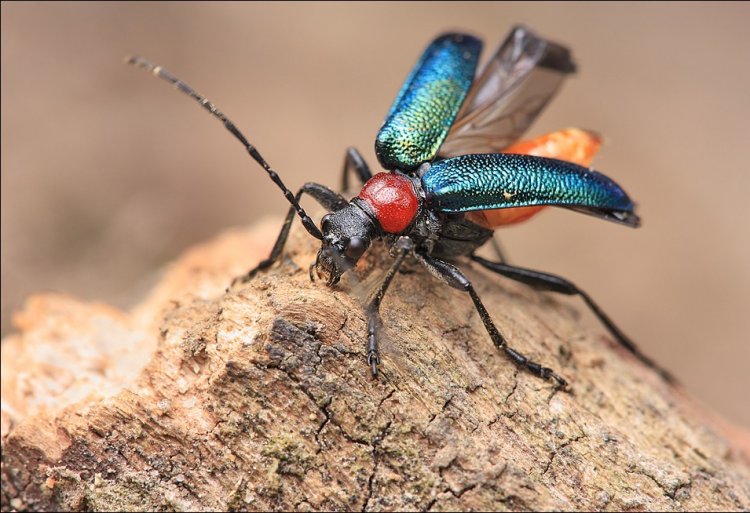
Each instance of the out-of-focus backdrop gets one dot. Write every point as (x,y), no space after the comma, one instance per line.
(107,173)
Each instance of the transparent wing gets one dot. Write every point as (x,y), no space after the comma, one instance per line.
(514,86)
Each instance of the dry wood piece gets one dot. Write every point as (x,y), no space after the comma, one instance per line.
(259,398)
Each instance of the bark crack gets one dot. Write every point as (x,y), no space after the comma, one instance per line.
(560,448)
(442,410)
(513,390)
(326,420)
(670,490)
(376,462)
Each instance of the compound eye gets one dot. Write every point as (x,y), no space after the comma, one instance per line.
(355,248)
(325,223)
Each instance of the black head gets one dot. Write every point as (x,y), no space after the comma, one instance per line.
(347,233)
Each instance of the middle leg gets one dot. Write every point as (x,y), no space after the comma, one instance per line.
(450,274)
(354,162)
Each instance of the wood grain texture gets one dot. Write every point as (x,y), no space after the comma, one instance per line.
(259,398)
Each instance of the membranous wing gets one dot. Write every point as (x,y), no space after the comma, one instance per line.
(512,89)
(504,180)
(429,100)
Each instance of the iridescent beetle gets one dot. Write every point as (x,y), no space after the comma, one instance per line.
(454,175)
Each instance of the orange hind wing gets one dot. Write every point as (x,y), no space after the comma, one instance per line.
(572,144)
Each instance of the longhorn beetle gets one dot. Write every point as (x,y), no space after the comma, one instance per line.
(454,174)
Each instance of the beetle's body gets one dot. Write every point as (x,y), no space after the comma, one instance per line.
(397,205)
(455,172)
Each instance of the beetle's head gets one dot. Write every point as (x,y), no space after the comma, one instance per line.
(347,233)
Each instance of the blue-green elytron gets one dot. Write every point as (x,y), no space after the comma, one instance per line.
(428,102)
(443,143)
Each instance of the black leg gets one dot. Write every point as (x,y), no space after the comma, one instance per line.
(325,196)
(498,250)
(353,161)
(451,275)
(403,246)
(551,282)
(162,73)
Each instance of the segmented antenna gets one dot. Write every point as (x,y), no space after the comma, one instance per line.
(210,107)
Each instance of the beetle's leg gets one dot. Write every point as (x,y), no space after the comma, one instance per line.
(353,161)
(451,275)
(551,282)
(403,245)
(323,195)
(498,249)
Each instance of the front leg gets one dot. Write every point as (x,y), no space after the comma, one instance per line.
(354,162)
(451,275)
(404,245)
(323,195)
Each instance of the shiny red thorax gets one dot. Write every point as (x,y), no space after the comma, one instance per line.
(392,199)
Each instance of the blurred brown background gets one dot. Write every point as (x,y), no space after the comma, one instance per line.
(107,174)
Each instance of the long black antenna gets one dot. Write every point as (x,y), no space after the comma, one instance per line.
(162,73)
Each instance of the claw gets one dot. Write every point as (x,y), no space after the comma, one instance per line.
(561,383)
(373,360)
(242,279)
(312,275)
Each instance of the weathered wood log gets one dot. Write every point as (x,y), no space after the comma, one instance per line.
(259,398)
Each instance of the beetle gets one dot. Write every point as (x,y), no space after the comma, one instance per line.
(455,171)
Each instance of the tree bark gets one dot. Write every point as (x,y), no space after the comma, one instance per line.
(259,398)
